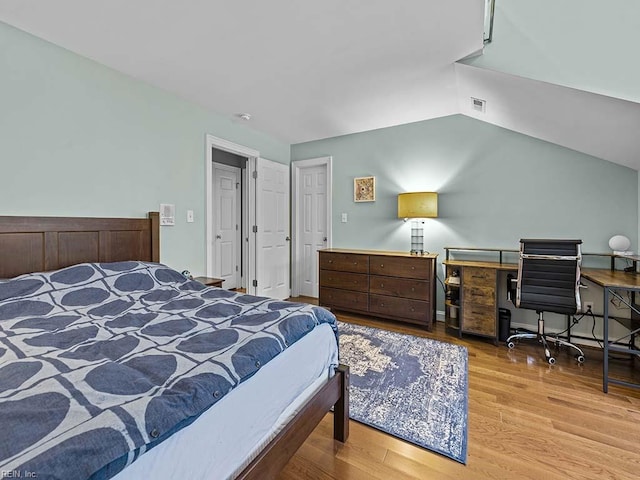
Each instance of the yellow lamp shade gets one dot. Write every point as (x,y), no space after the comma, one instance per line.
(418,205)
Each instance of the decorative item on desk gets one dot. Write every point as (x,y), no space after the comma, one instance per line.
(417,206)
(620,245)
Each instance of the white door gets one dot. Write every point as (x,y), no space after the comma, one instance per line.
(273,236)
(226,224)
(312,220)
(312,226)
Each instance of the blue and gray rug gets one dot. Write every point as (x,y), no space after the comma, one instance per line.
(411,387)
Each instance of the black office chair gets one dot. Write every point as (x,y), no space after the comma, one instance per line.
(548,281)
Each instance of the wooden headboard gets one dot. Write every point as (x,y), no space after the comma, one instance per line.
(36,244)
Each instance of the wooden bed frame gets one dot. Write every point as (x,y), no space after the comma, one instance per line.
(35,244)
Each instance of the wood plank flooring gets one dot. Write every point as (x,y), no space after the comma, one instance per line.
(527,420)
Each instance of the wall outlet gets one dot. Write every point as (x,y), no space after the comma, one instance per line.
(587,306)
(344,218)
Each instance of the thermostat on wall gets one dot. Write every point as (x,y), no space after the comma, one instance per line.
(167,214)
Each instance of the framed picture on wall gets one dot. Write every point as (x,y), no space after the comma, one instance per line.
(364,189)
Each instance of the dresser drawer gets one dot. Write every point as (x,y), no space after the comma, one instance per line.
(349,281)
(480,319)
(399,287)
(346,262)
(400,307)
(479,277)
(479,286)
(479,295)
(406,267)
(332,297)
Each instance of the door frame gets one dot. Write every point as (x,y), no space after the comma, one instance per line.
(296,224)
(248,208)
(238,235)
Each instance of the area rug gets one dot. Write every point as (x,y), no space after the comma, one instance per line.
(411,387)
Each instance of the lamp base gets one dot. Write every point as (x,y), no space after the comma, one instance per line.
(417,238)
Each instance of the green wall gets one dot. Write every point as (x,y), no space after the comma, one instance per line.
(495,186)
(77,138)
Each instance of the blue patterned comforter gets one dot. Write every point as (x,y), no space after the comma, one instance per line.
(100,362)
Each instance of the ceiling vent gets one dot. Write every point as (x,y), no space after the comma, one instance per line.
(478,104)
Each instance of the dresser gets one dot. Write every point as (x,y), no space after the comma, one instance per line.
(392,285)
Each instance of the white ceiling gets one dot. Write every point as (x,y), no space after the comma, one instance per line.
(304,69)
(310,70)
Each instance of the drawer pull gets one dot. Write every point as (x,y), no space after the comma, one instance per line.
(412,267)
(330,261)
(382,265)
(381,304)
(413,289)
(413,309)
(382,285)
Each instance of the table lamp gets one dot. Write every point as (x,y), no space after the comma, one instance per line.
(417,206)
(620,245)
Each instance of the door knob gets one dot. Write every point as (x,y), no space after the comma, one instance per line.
(287,239)
(218,236)
(324,239)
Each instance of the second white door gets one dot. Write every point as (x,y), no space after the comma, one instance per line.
(272,239)
(312,202)
(227,219)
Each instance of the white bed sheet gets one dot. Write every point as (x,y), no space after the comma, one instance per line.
(228,436)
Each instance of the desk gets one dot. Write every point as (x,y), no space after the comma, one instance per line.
(611,281)
(486,324)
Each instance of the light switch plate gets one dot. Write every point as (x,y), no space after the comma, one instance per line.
(189,216)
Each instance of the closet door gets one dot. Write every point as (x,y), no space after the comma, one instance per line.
(226,224)
(273,236)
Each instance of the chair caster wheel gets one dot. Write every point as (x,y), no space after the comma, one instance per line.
(510,345)
(551,360)
(580,359)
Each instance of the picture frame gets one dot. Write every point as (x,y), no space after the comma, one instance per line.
(364,189)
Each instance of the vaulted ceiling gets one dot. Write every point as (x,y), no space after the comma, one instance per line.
(311,70)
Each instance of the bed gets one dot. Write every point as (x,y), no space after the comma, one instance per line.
(117,362)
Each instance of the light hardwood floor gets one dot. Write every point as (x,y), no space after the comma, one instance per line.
(527,420)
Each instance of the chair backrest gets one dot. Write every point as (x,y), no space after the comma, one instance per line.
(549,275)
